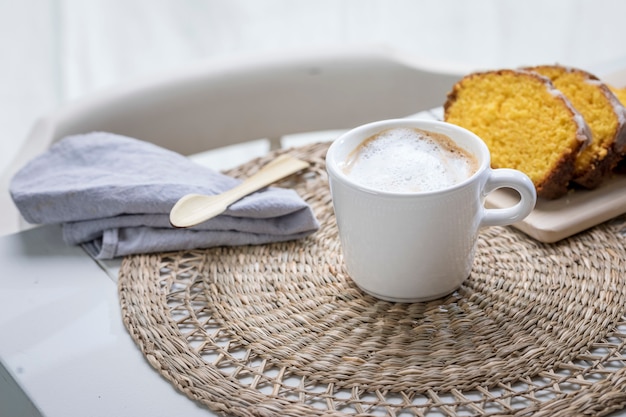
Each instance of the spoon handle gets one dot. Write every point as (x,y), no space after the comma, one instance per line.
(281,167)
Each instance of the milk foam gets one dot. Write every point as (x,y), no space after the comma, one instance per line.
(409,160)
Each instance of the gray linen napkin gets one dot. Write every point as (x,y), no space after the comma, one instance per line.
(113,195)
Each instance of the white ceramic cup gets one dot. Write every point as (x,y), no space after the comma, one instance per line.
(410,247)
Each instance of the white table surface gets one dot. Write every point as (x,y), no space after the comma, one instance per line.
(64,350)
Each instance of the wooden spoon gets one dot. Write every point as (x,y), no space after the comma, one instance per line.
(193,209)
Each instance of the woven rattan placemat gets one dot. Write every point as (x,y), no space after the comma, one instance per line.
(281,330)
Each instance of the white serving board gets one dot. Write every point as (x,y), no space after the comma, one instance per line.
(579,210)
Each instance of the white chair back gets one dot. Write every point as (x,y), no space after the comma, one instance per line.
(232,101)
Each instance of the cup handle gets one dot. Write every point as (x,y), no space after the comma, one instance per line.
(509,178)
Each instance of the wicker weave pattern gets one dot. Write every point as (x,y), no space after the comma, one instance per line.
(281,330)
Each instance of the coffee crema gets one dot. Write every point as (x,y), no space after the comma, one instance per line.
(408,160)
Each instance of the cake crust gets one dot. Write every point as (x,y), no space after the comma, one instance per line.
(620,94)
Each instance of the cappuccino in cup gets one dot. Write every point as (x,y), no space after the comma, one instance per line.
(408,196)
(407,160)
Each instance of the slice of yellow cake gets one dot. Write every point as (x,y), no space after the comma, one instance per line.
(604,114)
(525,121)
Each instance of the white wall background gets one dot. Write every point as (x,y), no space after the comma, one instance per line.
(54,51)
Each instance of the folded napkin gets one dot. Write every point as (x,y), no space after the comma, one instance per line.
(113,195)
